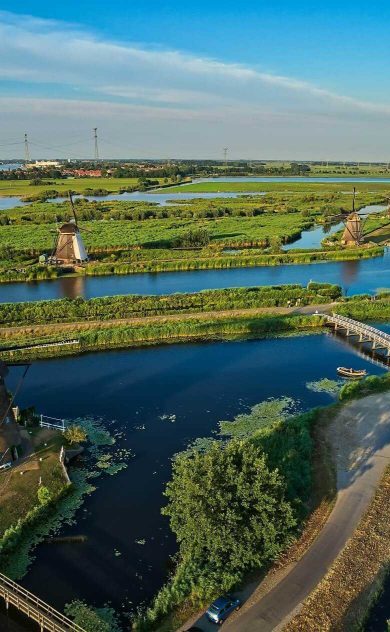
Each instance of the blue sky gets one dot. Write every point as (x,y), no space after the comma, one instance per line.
(165,79)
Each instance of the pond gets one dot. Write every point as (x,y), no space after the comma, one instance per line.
(355,277)
(176,393)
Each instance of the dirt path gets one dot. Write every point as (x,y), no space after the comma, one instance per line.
(81,325)
(360,436)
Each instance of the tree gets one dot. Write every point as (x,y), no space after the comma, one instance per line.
(75,434)
(44,495)
(228,512)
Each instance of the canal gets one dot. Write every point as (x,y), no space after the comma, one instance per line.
(161,398)
(355,277)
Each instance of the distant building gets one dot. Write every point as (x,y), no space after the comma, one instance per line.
(84,173)
(42,164)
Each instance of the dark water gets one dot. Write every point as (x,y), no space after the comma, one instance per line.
(355,277)
(199,384)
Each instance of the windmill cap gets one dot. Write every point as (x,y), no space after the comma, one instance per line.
(69,228)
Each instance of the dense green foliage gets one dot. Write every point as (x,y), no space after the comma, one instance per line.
(235,504)
(367,308)
(116,307)
(92,619)
(361,388)
(228,512)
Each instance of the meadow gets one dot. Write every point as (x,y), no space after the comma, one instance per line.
(25,187)
(256,187)
(161,233)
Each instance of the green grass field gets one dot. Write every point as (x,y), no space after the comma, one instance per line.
(23,187)
(100,234)
(296,187)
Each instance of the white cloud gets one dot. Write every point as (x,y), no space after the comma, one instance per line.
(130,82)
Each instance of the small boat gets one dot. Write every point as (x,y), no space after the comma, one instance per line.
(344,372)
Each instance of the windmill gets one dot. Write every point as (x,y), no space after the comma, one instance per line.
(354,223)
(69,247)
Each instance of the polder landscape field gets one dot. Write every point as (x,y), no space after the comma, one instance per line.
(125,235)
(185,392)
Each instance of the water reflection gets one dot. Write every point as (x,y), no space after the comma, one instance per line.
(71,287)
(349,274)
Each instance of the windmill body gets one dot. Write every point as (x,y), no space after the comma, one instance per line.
(353,232)
(69,247)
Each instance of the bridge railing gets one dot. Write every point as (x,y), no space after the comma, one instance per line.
(35,608)
(359,326)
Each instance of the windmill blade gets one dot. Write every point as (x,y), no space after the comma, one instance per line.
(73,207)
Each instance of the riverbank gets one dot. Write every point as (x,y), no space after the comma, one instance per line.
(65,327)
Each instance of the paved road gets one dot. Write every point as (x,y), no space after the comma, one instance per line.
(361,439)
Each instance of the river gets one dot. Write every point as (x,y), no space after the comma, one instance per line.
(355,277)
(198,384)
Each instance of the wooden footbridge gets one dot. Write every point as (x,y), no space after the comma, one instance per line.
(379,339)
(44,615)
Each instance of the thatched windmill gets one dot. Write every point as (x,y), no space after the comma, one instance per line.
(354,233)
(69,246)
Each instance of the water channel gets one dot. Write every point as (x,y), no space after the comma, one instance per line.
(175,393)
(355,277)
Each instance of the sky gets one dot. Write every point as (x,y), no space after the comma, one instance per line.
(269,80)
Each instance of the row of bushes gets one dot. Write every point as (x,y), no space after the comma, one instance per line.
(116,307)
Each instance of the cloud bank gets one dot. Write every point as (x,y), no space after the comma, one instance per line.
(59,78)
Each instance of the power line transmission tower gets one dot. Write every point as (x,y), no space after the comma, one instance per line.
(96,143)
(225,151)
(26,149)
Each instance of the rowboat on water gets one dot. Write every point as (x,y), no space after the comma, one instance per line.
(344,372)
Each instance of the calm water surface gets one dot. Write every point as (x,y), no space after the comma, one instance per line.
(355,277)
(199,384)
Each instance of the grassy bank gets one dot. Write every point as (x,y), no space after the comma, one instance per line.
(130,306)
(162,332)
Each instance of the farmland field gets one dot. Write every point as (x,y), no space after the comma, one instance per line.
(24,187)
(287,186)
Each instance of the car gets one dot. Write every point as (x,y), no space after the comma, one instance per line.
(221,608)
